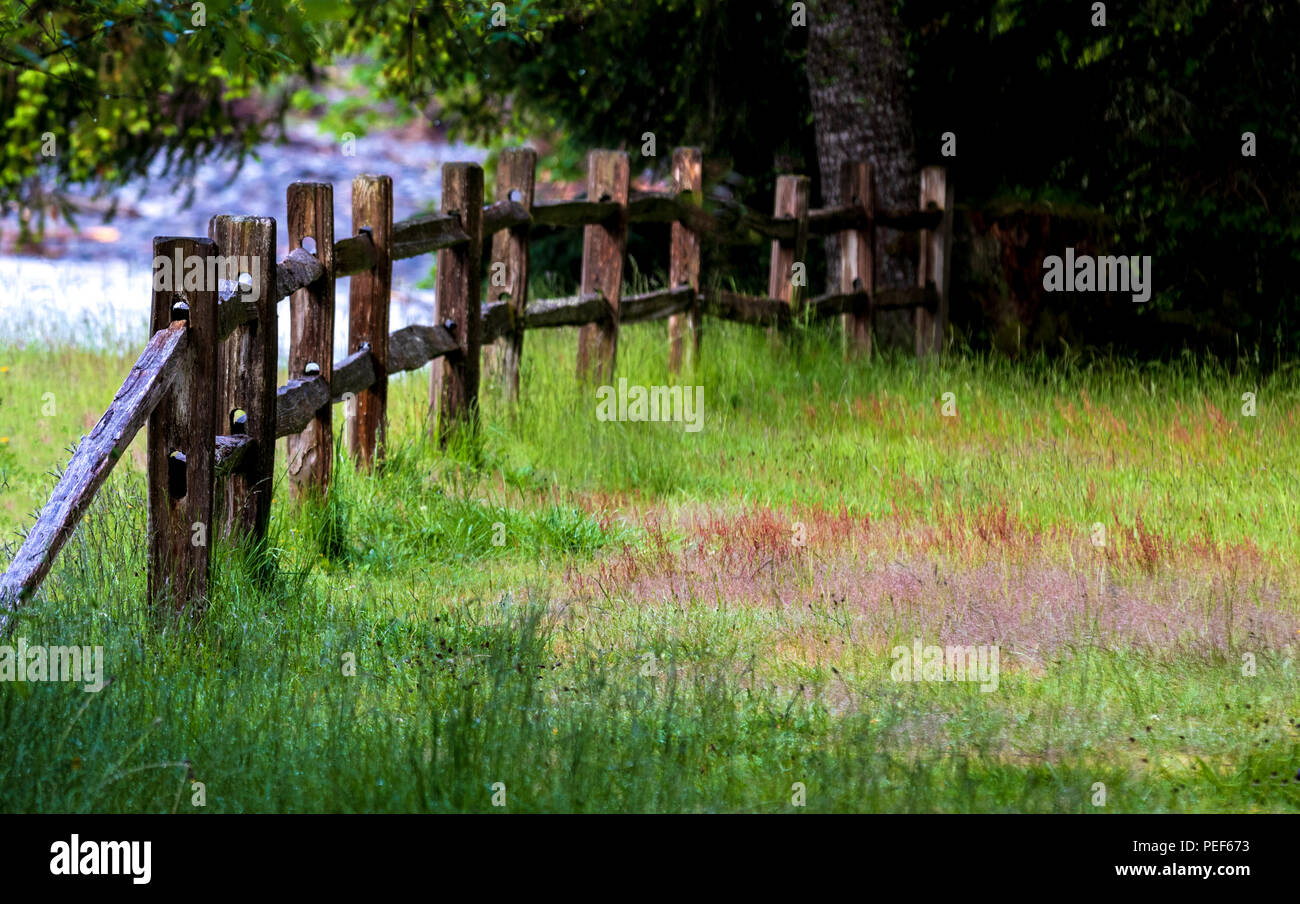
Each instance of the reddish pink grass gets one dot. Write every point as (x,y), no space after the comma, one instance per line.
(968,577)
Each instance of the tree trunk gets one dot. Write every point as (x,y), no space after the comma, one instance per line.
(857,79)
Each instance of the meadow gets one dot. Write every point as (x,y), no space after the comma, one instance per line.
(565,614)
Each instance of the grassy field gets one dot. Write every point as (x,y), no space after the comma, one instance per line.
(684,621)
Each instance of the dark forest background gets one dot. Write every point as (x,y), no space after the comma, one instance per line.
(1122,137)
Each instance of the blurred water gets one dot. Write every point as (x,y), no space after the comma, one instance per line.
(94,287)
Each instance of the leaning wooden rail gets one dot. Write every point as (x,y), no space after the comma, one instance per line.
(95,457)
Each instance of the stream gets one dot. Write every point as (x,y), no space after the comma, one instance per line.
(93,285)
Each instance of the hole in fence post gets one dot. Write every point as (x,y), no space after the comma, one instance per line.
(857,284)
(312,369)
(180,311)
(176,487)
(604,196)
(238,422)
(308,244)
(517,196)
(245,282)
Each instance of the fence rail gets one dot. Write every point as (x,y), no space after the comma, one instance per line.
(205,382)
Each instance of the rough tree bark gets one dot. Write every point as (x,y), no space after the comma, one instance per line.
(857,80)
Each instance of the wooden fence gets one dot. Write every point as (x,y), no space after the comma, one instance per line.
(206,381)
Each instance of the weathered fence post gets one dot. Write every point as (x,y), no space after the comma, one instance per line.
(684,263)
(603,248)
(311,335)
(791,202)
(246,375)
(453,394)
(516,176)
(182,430)
(368,298)
(857,270)
(936,262)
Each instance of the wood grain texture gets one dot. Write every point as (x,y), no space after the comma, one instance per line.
(235,310)
(311,335)
(149,380)
(411,347)
(355,254)
(246,376)
(932,323)
(657,304)
(353,374)
(230,454)
(425,233)
(751,309)
(604,246)
(857,246)
(791,203)
(944,250)
(516,175)
(368,301)
(575,213)
(453,389)
(575,310)
(181,453)
(582,309)
(498,322)
(297,402)
(297,270)
(684,258)
(505,214)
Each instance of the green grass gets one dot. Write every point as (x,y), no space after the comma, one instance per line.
(612,616)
